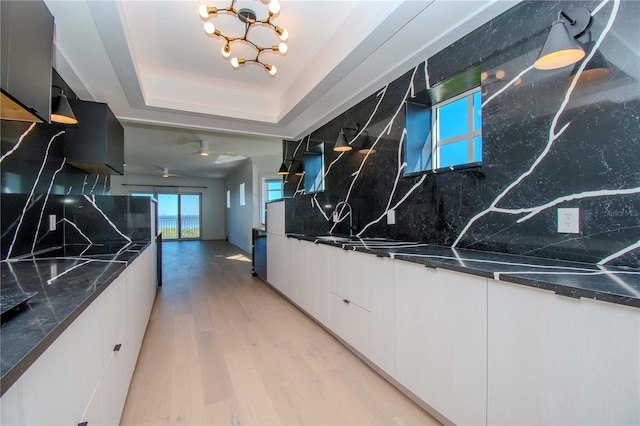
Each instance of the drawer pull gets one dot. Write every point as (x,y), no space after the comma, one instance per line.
(117,347)
(346,301)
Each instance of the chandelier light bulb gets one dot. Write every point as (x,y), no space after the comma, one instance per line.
(284,35)
(274,6)
(271,68)
(282,47)
(235,62)
(226,50)
(203,11)
(209,28)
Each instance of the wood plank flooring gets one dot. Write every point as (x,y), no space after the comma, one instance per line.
(222,347)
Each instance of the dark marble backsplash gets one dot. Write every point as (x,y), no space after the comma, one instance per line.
(37,182)
(549,141)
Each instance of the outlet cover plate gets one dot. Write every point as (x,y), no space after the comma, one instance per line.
(569,220)
(391,217)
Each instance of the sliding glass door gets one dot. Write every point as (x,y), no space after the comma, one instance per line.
(179,216)
(189,215)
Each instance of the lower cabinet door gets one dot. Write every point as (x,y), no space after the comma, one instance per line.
(558,360)
(57,387)
(351,322)
(114,386)
(277,262)
(441,340)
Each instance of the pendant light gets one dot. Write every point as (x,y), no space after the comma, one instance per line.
(299,169)
(61,111)
(561,49)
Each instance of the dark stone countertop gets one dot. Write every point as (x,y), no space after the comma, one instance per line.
(66,279)
(573,279)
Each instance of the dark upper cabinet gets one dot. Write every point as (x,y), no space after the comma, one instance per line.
(96,143)
(25,64)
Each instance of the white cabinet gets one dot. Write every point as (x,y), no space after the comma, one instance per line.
(81,376)
(556,360)
(298,272)
(441,340)
(275,218)
(318,287)
(361,307)
(11,408)
(351,322)
(277,262)
(57,387)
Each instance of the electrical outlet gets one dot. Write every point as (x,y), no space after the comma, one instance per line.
(336,217)
(391,217)
(52,222)
(569,221)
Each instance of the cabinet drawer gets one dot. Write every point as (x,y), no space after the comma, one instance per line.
(351,275)
(351,323)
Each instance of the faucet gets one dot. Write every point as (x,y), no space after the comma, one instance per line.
(336,215)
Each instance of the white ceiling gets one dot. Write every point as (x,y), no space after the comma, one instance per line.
(169,86)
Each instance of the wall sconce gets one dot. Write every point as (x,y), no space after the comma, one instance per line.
(61,111)
(367,145)
(341,143)
(561,48)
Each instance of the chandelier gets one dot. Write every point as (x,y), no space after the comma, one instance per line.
(247,17)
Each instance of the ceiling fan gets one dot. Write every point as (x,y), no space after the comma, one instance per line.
(164,172)
(203,149)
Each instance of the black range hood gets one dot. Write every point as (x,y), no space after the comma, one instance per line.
(96,143)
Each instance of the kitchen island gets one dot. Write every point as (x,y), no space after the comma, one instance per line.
(79,334)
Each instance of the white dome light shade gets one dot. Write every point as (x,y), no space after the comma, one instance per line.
(209,28)
(274,6)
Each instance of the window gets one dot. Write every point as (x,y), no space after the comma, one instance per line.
(271,190)
(457,127)
(228,199)
(242,200)
(444,125)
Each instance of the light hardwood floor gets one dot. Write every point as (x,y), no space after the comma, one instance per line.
(222,347)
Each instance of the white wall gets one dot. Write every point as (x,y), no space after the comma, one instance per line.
(213,197)
(240,218)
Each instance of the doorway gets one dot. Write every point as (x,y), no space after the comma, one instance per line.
(179,216)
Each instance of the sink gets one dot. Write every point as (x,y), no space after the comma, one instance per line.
(333,238)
